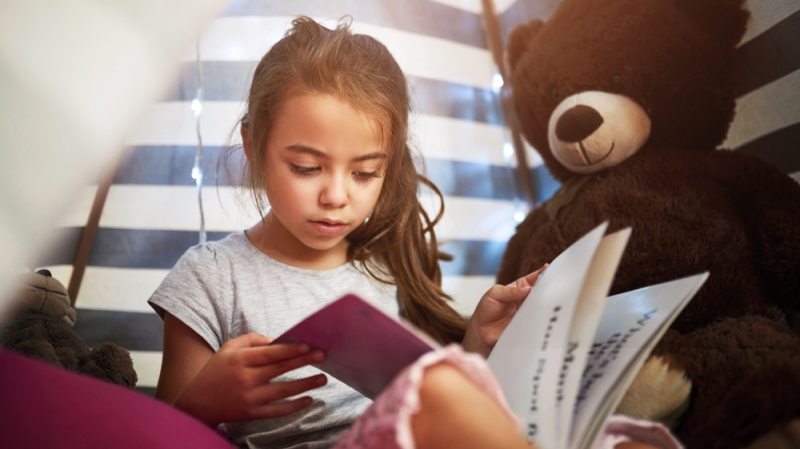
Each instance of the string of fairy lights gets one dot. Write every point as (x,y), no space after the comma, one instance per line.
(197,170)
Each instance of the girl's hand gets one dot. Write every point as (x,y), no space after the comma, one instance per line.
(235,384)
(494,312)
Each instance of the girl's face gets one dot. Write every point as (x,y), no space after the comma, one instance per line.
(324,164)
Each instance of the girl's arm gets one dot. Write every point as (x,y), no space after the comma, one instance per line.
(185,354)
(494,311)
(233,384)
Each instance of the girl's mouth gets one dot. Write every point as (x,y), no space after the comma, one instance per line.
(328,228)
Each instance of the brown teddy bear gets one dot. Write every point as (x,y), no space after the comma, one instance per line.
(627,101)
(40,323)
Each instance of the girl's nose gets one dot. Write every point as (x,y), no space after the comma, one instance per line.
(334,193)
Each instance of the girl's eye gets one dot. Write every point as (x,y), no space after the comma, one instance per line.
(363,176)
(304,171)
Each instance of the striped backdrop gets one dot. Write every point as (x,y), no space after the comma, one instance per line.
(767,122)
(151,215)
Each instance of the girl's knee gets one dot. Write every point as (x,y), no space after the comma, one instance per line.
(455,412)
(443,384)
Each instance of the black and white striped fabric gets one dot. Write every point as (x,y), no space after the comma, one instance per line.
(151,214)
(767,122)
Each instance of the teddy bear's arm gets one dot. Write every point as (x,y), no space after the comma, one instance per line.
(744,374)
(769,201)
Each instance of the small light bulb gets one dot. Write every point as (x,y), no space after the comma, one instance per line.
(197,106)
(196,174)
(508,149)
(497,82)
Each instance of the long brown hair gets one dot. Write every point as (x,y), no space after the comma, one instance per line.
(397,244)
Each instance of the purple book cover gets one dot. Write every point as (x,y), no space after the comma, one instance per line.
(365,348)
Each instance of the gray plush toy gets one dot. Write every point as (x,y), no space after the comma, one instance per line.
(39,325)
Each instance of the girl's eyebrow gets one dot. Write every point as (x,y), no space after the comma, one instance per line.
(299,148)
(369,156)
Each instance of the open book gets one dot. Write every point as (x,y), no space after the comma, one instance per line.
(564,361)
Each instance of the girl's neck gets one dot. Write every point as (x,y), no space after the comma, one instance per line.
(274,240)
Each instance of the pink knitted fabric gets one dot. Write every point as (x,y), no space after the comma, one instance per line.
(621,428)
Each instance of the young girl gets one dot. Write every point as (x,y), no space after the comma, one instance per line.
(325,139)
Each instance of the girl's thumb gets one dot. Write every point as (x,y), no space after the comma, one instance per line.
(249,340)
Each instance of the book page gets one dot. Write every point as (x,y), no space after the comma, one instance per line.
(364,347)
(528,356)
(631,325)
(588,312)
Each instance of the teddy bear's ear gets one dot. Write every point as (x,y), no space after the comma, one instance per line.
(520,39)
(725,19)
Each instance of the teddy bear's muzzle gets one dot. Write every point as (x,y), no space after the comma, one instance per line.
(592,130)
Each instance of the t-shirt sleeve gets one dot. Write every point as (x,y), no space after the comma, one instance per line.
(194,293)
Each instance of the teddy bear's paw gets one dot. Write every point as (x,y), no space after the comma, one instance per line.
(113,364)
(786,436)
(658,393)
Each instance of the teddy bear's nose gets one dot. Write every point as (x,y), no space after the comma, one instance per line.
(578,123)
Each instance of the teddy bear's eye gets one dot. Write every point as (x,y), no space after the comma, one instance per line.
(616,81)
(555,94)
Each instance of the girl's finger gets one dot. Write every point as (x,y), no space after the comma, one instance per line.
(276,391)
(529,279)
(249,340)
(268,355)
(278,409)
(510,293)
(268,372)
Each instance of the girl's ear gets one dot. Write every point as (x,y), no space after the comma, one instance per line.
(245,132)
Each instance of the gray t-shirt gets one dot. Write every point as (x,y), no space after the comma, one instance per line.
(228,288)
